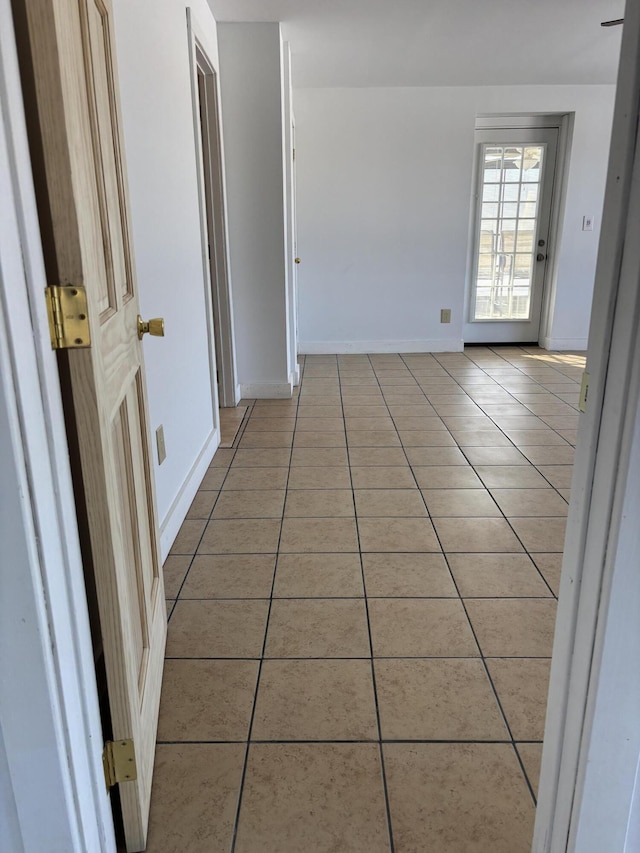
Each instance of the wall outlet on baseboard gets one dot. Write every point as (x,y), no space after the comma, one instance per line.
(445,315)
(162,450)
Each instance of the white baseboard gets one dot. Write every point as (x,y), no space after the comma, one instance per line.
(266,390)
(238,393)
(563,344)
(295,376)
(346,347)
(171,523)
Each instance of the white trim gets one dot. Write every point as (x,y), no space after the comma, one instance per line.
(345,347)
(49,717)
(599,468)
(171,523)
(266,390)
(562,344)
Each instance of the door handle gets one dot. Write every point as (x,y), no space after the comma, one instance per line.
(541,257)
(297,260)
(153,327)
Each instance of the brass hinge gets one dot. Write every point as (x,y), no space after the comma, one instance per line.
(68,316)
(119,762)
(584,392)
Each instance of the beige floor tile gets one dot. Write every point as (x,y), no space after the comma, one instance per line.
(522,686)
(202,504)
(530,502)
(407,576)
(460,503)
(258,424)
(310,457)
(420,628)
(319,503)
(511,477)
(447,477)
(534,437)
(558,475)
(520,422)
(223,457)
(324,628)
(255,478)
(397,534)
(483,535)
(217,629)
(333,412)
(443,795)
(541,534)
(309,424)
(377,456)
(318,576)
(481,438)
(435,456)
(188,536)
(373,438)
(311,535)
(389,502)
(437,699)
(258,440)
(207,700)
(321,400)
(427,438)
(531,755)
(404,424)
(182,816)
(230,576)
(496,576)
(169,602)
(241,536)
(504,456)
(550,566)
(270,457)
(550,455)
(475,423)
(513,627)
(362,424)
(213,479)
(261,503)
(313,797)
(315,700)
(377,411)
(320,478)
(319,439)
(383,477)
(174,571)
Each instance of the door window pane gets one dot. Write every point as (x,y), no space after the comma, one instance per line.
(506,244)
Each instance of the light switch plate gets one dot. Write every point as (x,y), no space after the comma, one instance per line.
(445,315)
(587,223)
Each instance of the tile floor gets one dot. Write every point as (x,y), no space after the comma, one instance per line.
(361,611)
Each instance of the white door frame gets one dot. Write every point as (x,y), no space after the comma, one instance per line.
(216,269)
(598,547)
(49,717)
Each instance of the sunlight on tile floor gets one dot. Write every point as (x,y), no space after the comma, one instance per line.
(361,611)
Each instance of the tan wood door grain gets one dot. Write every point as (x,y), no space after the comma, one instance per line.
(86,235)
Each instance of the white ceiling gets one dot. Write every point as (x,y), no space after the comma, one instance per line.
(441,42)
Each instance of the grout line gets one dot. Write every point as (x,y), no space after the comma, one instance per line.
(366,604)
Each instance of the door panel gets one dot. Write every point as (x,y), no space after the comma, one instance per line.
(82,200)
(516,171)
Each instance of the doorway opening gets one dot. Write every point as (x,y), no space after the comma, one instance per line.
(515,214)
(225,393)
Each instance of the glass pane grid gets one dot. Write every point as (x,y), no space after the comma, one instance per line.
(509,209)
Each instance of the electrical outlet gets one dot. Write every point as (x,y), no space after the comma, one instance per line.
(587,223)
(162,450)
(445,315)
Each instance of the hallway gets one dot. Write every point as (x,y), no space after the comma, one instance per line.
(361,609)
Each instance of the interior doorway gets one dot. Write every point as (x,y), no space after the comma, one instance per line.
(212,212)
(516,172)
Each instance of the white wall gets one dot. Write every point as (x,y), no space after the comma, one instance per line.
(155,90)
(384,192)
(252,89)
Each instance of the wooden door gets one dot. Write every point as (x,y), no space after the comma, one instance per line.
(71,96)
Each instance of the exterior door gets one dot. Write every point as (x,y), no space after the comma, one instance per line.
(516,170)
(71,99)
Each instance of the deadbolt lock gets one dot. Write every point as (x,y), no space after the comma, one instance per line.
(297,260)
(541,257)
(153,327)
